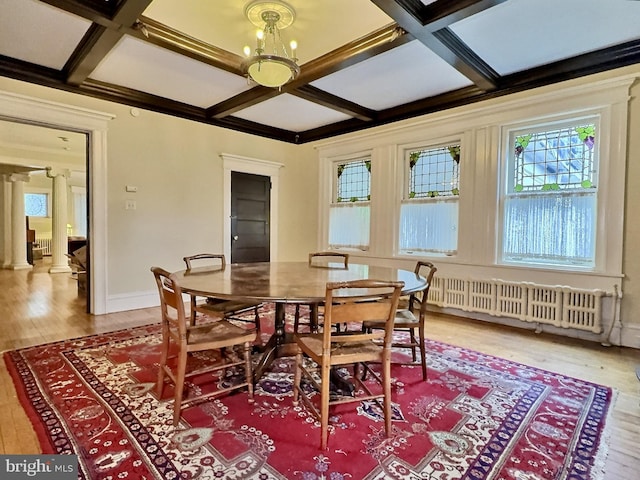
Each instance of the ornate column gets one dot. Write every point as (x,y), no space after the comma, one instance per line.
(59,241)
(6,222)
(18,223)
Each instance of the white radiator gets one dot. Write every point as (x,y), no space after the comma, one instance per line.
(45,243)
(560,306)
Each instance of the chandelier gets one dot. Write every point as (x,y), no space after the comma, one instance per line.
(271,64)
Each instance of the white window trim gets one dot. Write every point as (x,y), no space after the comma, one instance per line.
(403,173)
(604,190)
(481,176)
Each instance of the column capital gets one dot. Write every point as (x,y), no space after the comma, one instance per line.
(18,177)
(55,172)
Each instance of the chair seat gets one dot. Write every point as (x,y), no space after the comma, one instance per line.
(223,332)
(341,354)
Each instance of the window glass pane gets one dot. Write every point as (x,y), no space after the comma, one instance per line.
(555,160)
(349,225)
(36,204)
(429,226)
(434,172)
(353,181)
(552,229)
(550,208)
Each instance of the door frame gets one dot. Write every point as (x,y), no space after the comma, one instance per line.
(255,166)
(94,124)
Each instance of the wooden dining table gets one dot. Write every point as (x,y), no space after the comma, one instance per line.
(284,283)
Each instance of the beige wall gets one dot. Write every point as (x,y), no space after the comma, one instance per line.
(175,165)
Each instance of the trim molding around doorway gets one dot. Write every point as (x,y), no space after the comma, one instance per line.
(237,163)
(36,111)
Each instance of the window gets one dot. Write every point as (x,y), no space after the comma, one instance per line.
(429,209)
(349,210)
(550,208)
(36,204)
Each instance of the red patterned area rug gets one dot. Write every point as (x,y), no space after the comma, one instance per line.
(477,417)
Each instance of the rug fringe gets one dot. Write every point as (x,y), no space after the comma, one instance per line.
(600,459)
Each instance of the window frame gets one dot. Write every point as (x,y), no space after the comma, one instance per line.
(404,165)
(605,196)
(364,156)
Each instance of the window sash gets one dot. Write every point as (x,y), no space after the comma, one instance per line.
(349,225)
(429,225)
(558,228)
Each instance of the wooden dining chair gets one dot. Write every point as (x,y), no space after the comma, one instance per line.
(184,339)
(406,319)
(320,260)
(217,307)
(345,302)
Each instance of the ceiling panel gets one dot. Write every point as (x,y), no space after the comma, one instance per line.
(521,34)
(148,68)
(318,27)
(396,77)
(30,31)
(291,113)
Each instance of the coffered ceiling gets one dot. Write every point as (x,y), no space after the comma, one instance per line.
(363,62)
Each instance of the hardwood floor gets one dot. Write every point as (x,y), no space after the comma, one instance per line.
(36,307)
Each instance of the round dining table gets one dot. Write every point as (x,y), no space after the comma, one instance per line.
(284,283)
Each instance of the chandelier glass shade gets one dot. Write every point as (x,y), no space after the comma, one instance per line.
(271,64)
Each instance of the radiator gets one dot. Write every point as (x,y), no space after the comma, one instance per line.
(560,306)
(45,243)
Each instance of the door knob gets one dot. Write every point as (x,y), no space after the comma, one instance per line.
(235,237)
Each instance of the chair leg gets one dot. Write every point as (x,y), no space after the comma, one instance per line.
(412,336)
(179,387)
(313,318)
(296,321)
(324,405)
(297,378)
(257,320)
(248,371)
(423,351)
(386,381)
(164,354)
(192,318)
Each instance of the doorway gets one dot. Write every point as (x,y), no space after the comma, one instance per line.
(271,170)
(23,109)
(250,208)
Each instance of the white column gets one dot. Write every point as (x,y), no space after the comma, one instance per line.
(6,222)
(59,241)
(18,223)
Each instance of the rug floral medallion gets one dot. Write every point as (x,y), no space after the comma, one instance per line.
(477,417)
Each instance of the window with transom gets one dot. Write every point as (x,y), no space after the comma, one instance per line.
(550,204)
(429,209)
(349,212)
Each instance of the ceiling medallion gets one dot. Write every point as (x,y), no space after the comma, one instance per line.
(272,64)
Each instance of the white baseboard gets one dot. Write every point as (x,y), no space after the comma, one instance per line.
(132,301)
